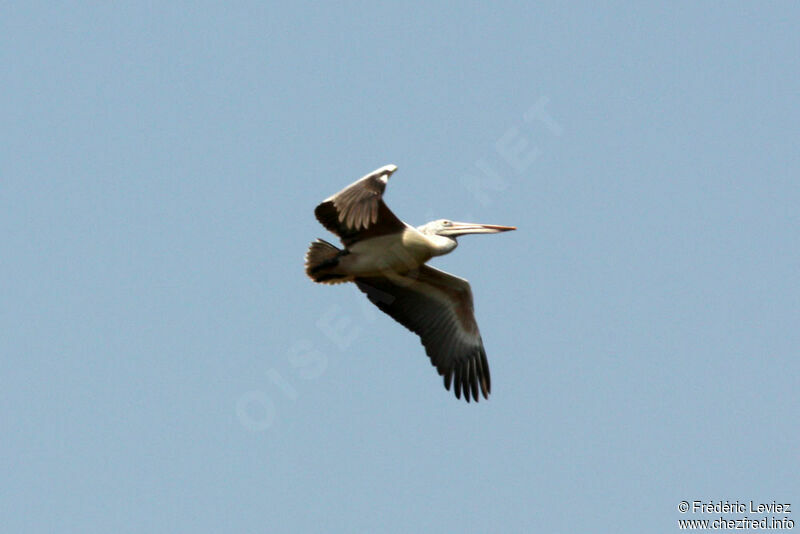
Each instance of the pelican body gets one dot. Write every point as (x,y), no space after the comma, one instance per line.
(386,258)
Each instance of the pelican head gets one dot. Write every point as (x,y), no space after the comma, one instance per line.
(442,234)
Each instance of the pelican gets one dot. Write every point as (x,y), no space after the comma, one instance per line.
(386,258)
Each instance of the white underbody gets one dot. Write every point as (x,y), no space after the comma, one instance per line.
(400,252)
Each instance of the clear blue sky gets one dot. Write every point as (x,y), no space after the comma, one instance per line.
(167,367)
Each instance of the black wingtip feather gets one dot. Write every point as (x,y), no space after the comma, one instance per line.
(465,382)
(473,380)
(487,376)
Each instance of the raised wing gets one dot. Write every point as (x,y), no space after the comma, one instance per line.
(358,211)
(438,307)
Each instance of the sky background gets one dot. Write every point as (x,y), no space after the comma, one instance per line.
(167,367)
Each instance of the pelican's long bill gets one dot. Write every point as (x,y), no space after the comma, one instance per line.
(386,257)
(462,228)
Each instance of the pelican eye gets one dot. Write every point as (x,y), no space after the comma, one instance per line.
(446,223)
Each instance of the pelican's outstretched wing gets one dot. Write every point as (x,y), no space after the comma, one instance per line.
(358,211)
(438,307)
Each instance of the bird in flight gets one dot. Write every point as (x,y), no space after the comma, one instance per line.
(385,258)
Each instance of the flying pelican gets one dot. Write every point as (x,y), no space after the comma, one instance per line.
(386,257)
